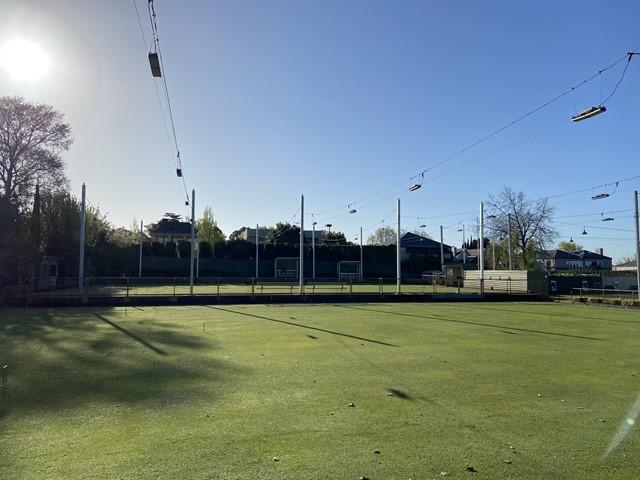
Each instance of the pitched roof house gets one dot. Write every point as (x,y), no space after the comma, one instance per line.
(578,260)
(171,231)
(412,245)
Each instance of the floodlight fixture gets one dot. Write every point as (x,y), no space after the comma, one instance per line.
(154,63)
(588,113)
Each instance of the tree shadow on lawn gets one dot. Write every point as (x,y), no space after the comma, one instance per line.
(260,317)
(468,322)
(74,357)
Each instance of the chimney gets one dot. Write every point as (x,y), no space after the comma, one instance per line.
(600,251)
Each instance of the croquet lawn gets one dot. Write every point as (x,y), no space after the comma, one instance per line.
(378,391)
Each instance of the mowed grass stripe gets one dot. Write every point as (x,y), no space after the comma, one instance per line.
(511,390)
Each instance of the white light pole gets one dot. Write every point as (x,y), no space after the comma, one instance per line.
(635,199)
(509,240)
(481,247)
(257,242)
(301,244)
(82,224)
(140,265)
(464,256)
(398,266)
(361,262)
(313,250)
(441,251)
(193,238)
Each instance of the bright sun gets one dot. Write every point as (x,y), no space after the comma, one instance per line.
(24,60)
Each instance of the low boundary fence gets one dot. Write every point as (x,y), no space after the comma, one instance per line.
(69,291)
(605,296)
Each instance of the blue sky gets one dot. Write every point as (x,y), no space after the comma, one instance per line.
(347,103)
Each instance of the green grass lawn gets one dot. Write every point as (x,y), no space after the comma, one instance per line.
(476,390)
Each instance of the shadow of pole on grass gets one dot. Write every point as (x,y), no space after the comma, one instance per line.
(478,324)
(135,337)
(378,342)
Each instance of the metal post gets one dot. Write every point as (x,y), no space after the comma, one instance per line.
(509,240)
(257,242)
(301,244)
(441,251)
(493,244)
(481,247)
(464,250)
(635,199)
(193,238)
(361,261)
(198,256)
(140,265)
(313,250)
(398,266)
(82,225)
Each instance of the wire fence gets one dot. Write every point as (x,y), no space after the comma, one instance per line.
(255,286)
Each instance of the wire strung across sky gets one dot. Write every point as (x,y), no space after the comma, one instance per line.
(421,174)
(160,73)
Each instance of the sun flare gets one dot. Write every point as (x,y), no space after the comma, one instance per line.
(24,60)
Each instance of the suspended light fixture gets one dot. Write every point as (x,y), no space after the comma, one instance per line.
(154,63)
(416,186)
(584,231)
(588,113)
(608,219)
(600,196)
(179,172)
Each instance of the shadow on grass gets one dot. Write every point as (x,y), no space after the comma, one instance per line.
(502,328)
(399,394)
(546,314)
(71,358)
(378,342)
(133,336)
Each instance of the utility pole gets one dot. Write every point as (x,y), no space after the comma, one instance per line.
(193,238)
(82,225)
(301,244)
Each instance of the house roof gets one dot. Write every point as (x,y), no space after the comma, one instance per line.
(632,263)
(577,255)
(412,240)
(171,227)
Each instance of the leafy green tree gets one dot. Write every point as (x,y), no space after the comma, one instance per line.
(208,228)
(283,233)
(334,238)
(570,246)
